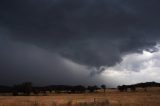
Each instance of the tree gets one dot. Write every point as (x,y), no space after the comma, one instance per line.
(103,87)
(92,89)
(120,88)
(25,88)
(133,88)
(28,88)
(123,88)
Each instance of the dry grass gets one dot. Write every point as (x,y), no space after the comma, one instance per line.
(111,98)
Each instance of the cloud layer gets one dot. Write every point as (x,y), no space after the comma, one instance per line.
(135,68)
(85,35)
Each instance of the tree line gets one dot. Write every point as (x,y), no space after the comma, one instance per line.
(125,88)
(27,88)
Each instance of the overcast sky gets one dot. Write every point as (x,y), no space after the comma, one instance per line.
(79,41)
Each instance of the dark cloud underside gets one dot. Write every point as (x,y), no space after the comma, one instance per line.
(92,33)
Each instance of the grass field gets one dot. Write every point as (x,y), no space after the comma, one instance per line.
(110,98)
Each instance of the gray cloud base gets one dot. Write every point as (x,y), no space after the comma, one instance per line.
(90,33)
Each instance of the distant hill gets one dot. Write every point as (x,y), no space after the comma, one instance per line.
(147,84)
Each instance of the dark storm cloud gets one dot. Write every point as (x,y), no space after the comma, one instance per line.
(22,62)
(92,33)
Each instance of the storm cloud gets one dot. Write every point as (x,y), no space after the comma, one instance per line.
(53,37)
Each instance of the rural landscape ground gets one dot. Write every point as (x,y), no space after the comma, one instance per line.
(112,97)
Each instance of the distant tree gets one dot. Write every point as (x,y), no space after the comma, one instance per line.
(50,90)
(25,88)
(57,90)
(120,88)
(15,93)
(80,89)
(123,88)
(145,86)
(95,87)
(103,87)
(92,88)
(133,88)
(36,91)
